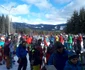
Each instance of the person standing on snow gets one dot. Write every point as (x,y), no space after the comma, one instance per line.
(21,52)
(7,55)
(61,39)
(59,57)
(73,62)
(79,42)
(70,41)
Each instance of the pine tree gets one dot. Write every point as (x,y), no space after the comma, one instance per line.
(6,24)
(82,20)
(3,24)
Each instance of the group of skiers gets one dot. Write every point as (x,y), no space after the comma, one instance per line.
(57,50)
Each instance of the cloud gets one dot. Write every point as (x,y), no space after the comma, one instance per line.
(18,19)
(51,13)
(36,21)
(32,1)
(41,4)
(5,8)
(54,17)
(44,5)
(21,9)
(62,1)
(68,10)
(9,5)
(79,4)
(14,9)
(48,14)
(62,15)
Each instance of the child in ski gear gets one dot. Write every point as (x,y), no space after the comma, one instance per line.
(73,62)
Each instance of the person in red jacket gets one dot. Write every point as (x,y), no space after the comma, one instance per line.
(61,39)
(29,40)
(79,40)
(38,47)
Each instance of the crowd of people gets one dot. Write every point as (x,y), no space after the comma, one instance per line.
(61,50)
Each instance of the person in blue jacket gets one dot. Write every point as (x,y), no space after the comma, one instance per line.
(21,53)
(59,57)
(73,62)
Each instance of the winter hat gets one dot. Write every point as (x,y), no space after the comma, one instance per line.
(58,45)
(72,55)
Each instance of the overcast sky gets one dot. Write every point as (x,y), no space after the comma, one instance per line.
(40,11)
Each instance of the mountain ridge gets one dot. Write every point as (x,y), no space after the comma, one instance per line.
(41,26)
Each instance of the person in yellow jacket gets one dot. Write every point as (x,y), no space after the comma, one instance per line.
(57,38)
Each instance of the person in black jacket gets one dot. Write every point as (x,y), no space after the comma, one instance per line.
(7,55)
(34,57)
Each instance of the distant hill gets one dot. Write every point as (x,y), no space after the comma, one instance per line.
(47,27)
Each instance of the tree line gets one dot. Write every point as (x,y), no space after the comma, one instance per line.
(76,24)
(17,28)
(4,24)
(4,20)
